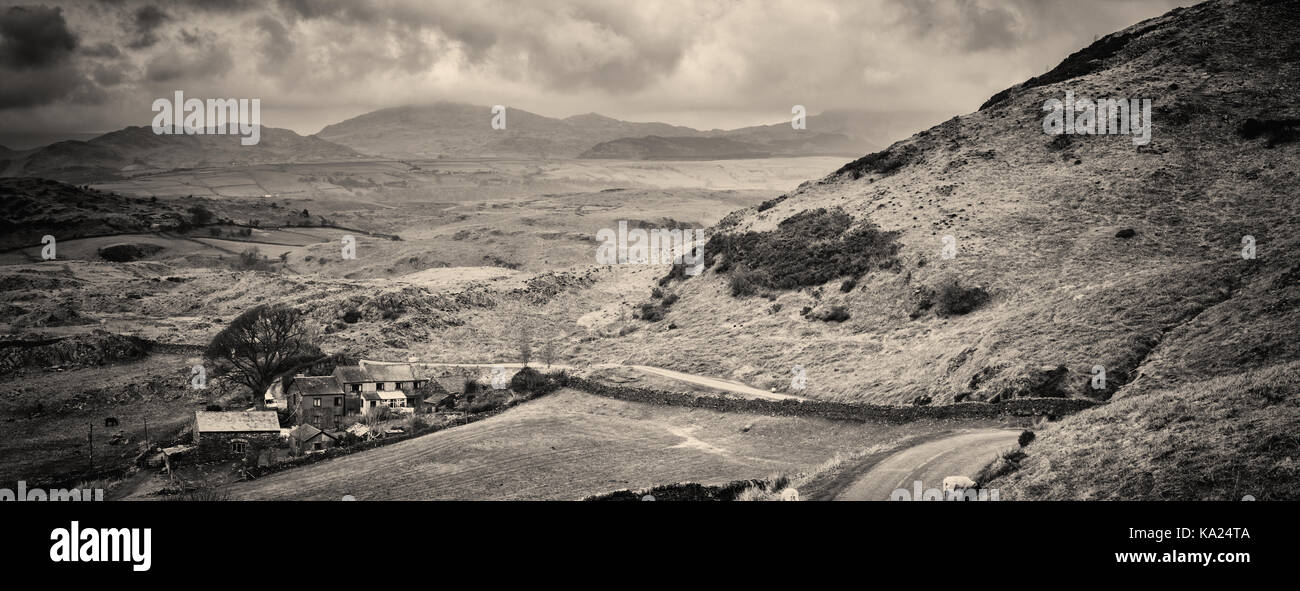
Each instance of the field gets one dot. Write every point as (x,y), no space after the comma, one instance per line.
(49,415)
(570,444)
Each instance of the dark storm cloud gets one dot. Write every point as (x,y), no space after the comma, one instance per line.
(206,59)
(277,44)
(34,37)
(356,11)
(144,26)
(104,50)
(36,59)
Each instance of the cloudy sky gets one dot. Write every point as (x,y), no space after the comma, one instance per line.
(97,65)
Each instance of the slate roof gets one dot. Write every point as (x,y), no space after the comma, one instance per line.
(315,386)
(258,421)
(351,374)
(390,373)
(307,433)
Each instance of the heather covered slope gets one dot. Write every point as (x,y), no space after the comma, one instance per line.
(1075,252)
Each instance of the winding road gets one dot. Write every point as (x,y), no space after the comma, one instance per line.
(958,455)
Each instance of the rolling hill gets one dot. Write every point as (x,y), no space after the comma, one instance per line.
(460,130)
(135,150)
(1081,265)
(836,133)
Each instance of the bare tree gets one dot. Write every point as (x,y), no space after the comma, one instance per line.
(548,351)
(262,344)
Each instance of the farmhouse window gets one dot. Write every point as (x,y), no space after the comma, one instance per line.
(338,401)
(238,446)
(315,402)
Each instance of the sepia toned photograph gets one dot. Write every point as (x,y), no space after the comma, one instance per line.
(711,250)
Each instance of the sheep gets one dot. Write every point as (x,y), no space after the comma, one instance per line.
(956,483)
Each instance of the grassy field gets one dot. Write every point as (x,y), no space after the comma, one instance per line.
(48,416)
(569,445)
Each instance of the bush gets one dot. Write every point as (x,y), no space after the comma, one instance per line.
(951,299)
(678,271)
(200,215)
(657,293)
(848,285)
(418,423)
(250,259)
(830,314)
(743,284)
(1277,131)
(770,203)
(670,299)
(530,381)
(650,312)
(807,249)
(1026,437)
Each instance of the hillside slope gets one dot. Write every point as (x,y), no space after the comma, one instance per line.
(1073,254)
(137,150)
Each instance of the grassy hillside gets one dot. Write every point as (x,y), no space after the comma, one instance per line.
(1070,253)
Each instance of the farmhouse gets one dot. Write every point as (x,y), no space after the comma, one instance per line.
(224,435)
(318,401)
(324,401)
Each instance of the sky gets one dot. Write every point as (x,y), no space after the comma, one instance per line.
(98,65)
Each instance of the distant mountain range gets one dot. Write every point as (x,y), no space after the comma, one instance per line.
(461,130)
(445,130)
(136,150)
(834,133)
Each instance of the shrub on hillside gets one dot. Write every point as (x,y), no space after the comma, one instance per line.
(650,312)
(884,162)
(250,259)
(1277,131)
(743,284)
(951,299)
(1026,437)
(808,249)
(770,203)
(830,313)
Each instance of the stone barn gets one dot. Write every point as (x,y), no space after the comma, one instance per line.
(235,435)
